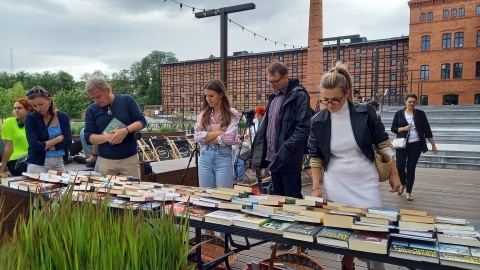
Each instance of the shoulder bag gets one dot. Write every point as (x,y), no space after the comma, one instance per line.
(401,143)
(21,163)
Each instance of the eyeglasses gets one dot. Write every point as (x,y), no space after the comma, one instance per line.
(36,90)
(20,123)
(276,81)
(333,101)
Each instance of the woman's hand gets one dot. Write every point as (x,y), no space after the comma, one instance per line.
(201,128)
(434,149)
(394,181)
(4,174)
(317,193)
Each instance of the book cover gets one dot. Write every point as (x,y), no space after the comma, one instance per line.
(373,242)
(334,237)
(413,212)
(384,211)
(424,219)
(302,231)
(460,260)
(222,217)
(114,123)
(404,250)
(475,251)
(275,226)
(255,213)
(407,237)
(454,249)
(250,221)
(458,239)
(448,220)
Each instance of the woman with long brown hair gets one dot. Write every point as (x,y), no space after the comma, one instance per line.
(13,133)
(216,130)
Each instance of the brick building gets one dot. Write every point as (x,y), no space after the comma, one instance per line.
(445,51)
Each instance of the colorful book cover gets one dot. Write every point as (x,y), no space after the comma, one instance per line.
(114,123)
(401,247)
(453,249)
(335,233)
(303,228)
(460,258)
(475,251)
(276,225)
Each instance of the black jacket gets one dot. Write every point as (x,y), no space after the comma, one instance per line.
(293,130)
(421,123)
(366,129)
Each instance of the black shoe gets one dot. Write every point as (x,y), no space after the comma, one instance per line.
(283,247)
(79,160)
(90,164)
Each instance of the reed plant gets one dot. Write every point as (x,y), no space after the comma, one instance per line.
(76,127)
(65,234)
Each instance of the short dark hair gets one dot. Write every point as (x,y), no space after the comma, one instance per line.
(411,95)
(374,103)
(277,67)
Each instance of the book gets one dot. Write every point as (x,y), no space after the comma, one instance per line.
(196,212)
(460,260)
(255,213)
(6,180)
(380,216)
(454,249)
(338,221)
(448,220)
(421,219)
(372,227)
(376,220)
(334,237)
(222,217)
(275,226)
(250,221)
(265,208)
(302,231)
(466,227)
(280,215)
(416,225)
(304,202)
(231,206)
(458,239)
(292,208)
(420,233)
(113,124)
(403,249)
(318,218)
(475,251)
(407,237)
(413,212)
(386,211)
(373,242)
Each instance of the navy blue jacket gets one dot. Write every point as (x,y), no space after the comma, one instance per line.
(37,136)
(421,123)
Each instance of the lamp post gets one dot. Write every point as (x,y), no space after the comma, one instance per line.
(183,110)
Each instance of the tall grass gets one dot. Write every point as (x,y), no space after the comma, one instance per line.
(76,127)
(70,235)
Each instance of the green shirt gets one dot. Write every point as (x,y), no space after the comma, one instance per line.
(11,132)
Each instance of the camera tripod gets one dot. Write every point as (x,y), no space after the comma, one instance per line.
(195,152)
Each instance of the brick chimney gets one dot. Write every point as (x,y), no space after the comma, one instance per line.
(315,50)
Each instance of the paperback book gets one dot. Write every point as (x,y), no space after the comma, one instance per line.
(334,237)
(302,231)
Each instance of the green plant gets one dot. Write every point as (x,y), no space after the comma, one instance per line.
(76,127)
(168,129)
(65,234)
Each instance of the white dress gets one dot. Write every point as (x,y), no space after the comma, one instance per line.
(350,178)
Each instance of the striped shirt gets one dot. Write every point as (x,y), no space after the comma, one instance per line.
(273,123)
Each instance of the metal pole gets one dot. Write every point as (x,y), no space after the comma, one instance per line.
(223,46)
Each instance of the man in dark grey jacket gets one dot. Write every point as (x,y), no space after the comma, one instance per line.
(279,143)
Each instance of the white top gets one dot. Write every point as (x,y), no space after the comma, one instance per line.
(413,137)
(252,130)
(350,178)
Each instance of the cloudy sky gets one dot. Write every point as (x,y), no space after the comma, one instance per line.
(80,36)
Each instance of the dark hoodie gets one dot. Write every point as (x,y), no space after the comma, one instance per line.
(293,131)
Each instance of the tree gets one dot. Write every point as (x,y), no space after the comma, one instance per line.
(121,82)
(8,97)
(147,76)
(72,102)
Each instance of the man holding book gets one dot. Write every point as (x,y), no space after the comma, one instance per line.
(110,123)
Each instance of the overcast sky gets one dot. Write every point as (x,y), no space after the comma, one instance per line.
(80,36)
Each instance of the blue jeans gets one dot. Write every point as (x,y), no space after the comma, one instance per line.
(240,173)
(87,148)
(215,166)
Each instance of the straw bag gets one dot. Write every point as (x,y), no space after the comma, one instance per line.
(213,247)
(382,162)
(297,260)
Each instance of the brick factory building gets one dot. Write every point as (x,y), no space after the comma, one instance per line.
(441,66)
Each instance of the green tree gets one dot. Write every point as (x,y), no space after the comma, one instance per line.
(8,97)
(121,82)
(72,102)
(147,77)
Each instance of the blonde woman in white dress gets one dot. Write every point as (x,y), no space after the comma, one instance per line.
(340,145)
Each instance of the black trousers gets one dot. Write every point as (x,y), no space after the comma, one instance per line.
(11,168)
(406,160)
(287,184)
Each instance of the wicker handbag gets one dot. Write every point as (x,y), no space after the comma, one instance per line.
(382,162)
(213,247)
(297,260)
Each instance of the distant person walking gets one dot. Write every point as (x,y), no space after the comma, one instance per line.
(412,124)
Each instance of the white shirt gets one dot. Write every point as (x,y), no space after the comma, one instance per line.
(413,137)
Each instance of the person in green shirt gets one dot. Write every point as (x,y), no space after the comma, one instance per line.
(13,133)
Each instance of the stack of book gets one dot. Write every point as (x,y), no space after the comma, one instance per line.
(416,223)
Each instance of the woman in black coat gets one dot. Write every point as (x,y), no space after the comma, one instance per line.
(412,124)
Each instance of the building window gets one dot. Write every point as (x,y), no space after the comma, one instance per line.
(425,43)
(201,76)
(234,97)
(280,58)
(172,89)
(181,67)
(246,61)
(393,77)
(394,47)
(476,99)
(171,79)
(234,85)
(374,78)
(259,60)
(325,67)
(478,38)
(357,64)
(259,72)
(172,100)
(267,59)
(341,52)
(246,73)
(171,68)
(191,66)
(457,70)
(453,13)
(445,71)
(191,100)
(357,79)
(446,41)
(325,53)
(212,64)
(358,50)
(423,100)
(234,74)
(212,75)
(266,96)
(445,14)
(461,12)
(181,88)
(259,84)
(234,62)
(295,56)
(191,88)
(430,16)
(259,96)
(477,11)
(247,96)
(201,65)
(424,72)
(247,86)
(191,77)
(458,41)
(374,63)
(294,69)
(393,62)
(181,78)
(423,17)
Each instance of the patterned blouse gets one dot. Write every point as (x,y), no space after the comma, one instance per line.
(231,132)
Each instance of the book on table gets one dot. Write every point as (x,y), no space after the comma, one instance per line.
(334,237)
(339,220)
(416,225)
(413,212)
(302,231)
(386,211)
(113,124)
(414,251)
(420,219)
(443,226)
(408,237)
(459,256)
(449,220)
(373,227)
(420,233)
(373,242)
(458,239)
(196,212)
(222,217)
(275,226)
(376,220)
(250,221)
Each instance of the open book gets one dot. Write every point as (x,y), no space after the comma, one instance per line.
(114,123)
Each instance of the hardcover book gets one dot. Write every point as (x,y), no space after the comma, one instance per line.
(386,211)
(222,217)
(334,237)
(458,240)
(403,249)
(114,123)
(453,249)
(373,242)
(460,260)
(275,226)
(302,231)
(250,221)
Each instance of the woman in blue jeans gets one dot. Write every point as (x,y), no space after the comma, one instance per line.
(216,130)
